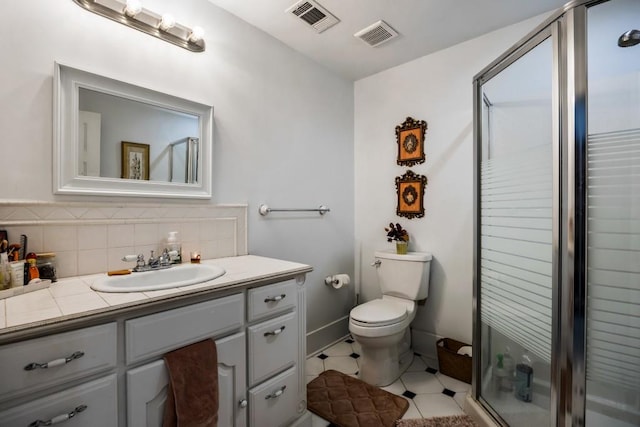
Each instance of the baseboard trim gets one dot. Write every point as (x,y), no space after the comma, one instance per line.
(424,343)
(327,335)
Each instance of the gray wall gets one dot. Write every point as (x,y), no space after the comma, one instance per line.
(283,125)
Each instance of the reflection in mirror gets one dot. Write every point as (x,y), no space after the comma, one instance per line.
(106,120)
(114,138)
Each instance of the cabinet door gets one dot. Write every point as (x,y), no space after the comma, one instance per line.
(91,404)
(147,387)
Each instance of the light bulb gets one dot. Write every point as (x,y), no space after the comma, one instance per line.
(132,8)
(167,22)
(196,34)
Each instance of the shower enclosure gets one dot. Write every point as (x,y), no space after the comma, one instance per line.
(557,222)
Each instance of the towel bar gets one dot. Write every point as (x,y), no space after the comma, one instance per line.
(265,210)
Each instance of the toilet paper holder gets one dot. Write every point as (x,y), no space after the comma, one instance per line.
(337,281)
(330,280)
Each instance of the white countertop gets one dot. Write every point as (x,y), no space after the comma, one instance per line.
(73,298)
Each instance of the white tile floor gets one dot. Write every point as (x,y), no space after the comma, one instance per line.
(430,393)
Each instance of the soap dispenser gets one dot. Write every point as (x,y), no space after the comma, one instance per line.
(174,247)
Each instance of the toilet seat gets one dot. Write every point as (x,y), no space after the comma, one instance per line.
(378,313)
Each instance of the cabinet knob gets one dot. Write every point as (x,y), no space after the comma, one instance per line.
(243,403)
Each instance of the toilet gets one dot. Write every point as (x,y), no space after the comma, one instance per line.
(381,326)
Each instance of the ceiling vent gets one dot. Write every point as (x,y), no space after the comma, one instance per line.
(319,18)
(376,34)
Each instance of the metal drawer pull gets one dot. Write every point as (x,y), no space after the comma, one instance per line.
(54,363)
(275,332)
(276,393)
(275,299)
(243,403)
(59,418)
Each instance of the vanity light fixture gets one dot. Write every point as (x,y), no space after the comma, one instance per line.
(132,14)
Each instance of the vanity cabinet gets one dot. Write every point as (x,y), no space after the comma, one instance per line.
(113,374)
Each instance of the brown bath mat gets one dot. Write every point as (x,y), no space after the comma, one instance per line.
(451,421)
(348,402)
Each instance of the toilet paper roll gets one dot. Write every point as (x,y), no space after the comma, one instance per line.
(340,280)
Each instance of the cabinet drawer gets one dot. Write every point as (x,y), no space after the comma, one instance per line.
(162,332)
(273,346)
(274,403)
(268,300)
(95,404)
(95,346)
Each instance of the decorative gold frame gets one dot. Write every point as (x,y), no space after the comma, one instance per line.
(410,189)
(138,153)
(410,140)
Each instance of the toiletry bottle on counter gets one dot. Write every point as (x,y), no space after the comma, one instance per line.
(5,272)
(32,271)
(174,247)
(524,378)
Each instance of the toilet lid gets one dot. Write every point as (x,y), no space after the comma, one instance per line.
(379,313)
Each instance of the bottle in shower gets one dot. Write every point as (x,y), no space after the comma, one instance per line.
(508,365)
(524,378)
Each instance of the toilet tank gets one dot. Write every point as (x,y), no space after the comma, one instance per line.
(404,276)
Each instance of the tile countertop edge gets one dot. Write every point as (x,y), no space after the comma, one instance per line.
(257,270)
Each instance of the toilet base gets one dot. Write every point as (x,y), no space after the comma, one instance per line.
(381,366)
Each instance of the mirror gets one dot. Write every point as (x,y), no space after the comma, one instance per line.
(115,138)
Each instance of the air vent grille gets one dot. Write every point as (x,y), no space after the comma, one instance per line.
(376,34)
(313,14)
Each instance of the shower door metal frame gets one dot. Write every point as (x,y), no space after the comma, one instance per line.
(568,29)
(549,31)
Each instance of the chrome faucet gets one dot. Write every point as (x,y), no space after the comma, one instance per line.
(154,263)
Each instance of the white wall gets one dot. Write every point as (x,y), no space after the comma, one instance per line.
(283,125)
(436,88)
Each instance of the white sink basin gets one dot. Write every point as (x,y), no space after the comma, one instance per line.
(174,277)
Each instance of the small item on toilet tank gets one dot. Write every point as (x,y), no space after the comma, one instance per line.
(338,280)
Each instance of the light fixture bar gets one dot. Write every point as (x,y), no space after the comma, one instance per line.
(147,22)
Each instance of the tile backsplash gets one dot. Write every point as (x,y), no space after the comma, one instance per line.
(93,237)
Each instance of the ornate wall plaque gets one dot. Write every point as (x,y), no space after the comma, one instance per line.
(410,189)
(410,138)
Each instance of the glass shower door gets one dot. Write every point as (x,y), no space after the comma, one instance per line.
(516,236)
(613,217)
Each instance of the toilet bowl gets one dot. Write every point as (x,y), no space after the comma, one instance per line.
(381,326)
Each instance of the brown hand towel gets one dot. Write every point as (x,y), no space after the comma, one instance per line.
(192,395)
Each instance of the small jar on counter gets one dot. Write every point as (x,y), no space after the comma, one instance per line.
(46,263)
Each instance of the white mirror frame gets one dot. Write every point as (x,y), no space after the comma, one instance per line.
(67,83)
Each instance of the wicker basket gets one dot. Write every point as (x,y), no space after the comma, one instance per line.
(451,363)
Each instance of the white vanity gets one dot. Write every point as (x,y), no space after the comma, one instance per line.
(104,367)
